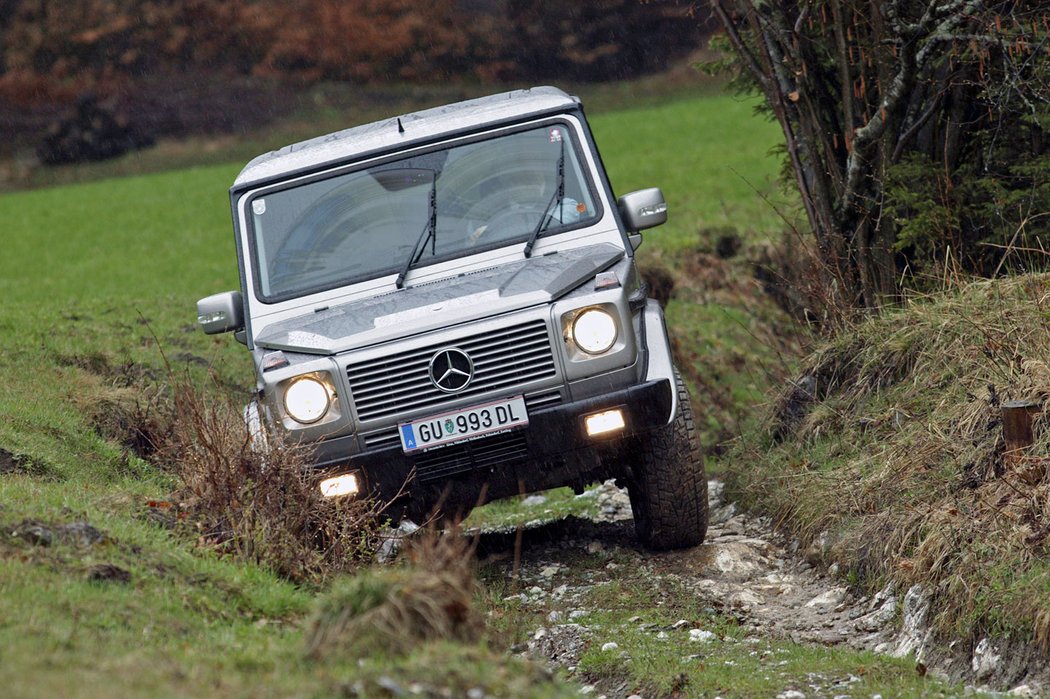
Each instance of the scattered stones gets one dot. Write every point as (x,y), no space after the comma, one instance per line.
(745,570)
(562,645)
(791,694)
(985,660)
(80,534)
(390,685)
(34,533)
(107,572)
(393,539)
(829,598)
(885,609)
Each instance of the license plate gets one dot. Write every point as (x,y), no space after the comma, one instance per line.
(461,425)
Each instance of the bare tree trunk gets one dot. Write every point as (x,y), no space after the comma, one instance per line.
(855,85)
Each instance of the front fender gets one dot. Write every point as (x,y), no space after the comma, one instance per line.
(658,344)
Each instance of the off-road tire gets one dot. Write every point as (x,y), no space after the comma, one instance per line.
(668,485)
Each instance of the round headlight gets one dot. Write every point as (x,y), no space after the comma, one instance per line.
(594,331)
(306,400)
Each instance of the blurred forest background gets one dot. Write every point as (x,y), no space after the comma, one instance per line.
(170,68)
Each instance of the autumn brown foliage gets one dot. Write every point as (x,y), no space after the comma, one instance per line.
(51,51)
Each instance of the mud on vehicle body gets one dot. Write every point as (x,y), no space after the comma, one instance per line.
(446,305)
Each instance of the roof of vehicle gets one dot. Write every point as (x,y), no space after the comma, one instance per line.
(402,131)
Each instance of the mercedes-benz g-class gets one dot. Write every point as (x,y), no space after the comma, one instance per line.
(446,305)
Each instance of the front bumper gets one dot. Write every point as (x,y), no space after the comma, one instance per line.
(553,450)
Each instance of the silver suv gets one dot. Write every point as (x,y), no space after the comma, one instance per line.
(446,304)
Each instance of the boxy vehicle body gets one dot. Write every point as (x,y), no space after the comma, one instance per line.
(446,305)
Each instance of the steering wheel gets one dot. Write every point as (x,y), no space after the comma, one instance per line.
(521,218)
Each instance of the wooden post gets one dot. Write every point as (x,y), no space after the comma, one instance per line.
(1017,428)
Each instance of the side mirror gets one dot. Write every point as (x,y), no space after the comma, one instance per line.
(643,209)
(221,313)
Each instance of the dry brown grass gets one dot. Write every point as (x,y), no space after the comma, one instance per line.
(891,442)
(261,502)
(395,609)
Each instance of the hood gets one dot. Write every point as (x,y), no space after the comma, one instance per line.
(433,305)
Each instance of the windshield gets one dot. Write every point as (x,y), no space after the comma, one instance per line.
(441,204)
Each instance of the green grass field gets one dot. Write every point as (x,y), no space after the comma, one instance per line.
(98,279)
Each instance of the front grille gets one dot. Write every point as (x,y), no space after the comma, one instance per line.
(400,383)
(460,458)
(382,440)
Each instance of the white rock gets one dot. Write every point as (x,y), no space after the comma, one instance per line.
(746,599)
(662,635)
(550,571)
(611,645)
(1023,690)
(534,500)
(577,613)
(700,636)
(680,623)
(877,619)
(914,631)
(985,659)
(554,617)
(830,598)
(587,689)
(560,591)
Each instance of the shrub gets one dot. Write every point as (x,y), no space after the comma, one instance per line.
(395,609)
(257,498)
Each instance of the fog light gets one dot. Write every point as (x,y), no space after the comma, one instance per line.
(345,484)
(601,423)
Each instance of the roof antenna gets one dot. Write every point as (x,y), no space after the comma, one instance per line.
(400,128)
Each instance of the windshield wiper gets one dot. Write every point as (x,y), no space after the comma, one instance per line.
(554,204)
(429,233)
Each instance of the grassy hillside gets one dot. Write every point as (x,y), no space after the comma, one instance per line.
(99,594)
(93,275)
(903,414)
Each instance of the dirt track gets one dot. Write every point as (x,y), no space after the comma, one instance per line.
(744,570)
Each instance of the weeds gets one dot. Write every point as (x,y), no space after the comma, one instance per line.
(395,609)
(257,498)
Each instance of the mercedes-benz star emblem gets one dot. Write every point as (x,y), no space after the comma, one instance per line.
(451,369)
